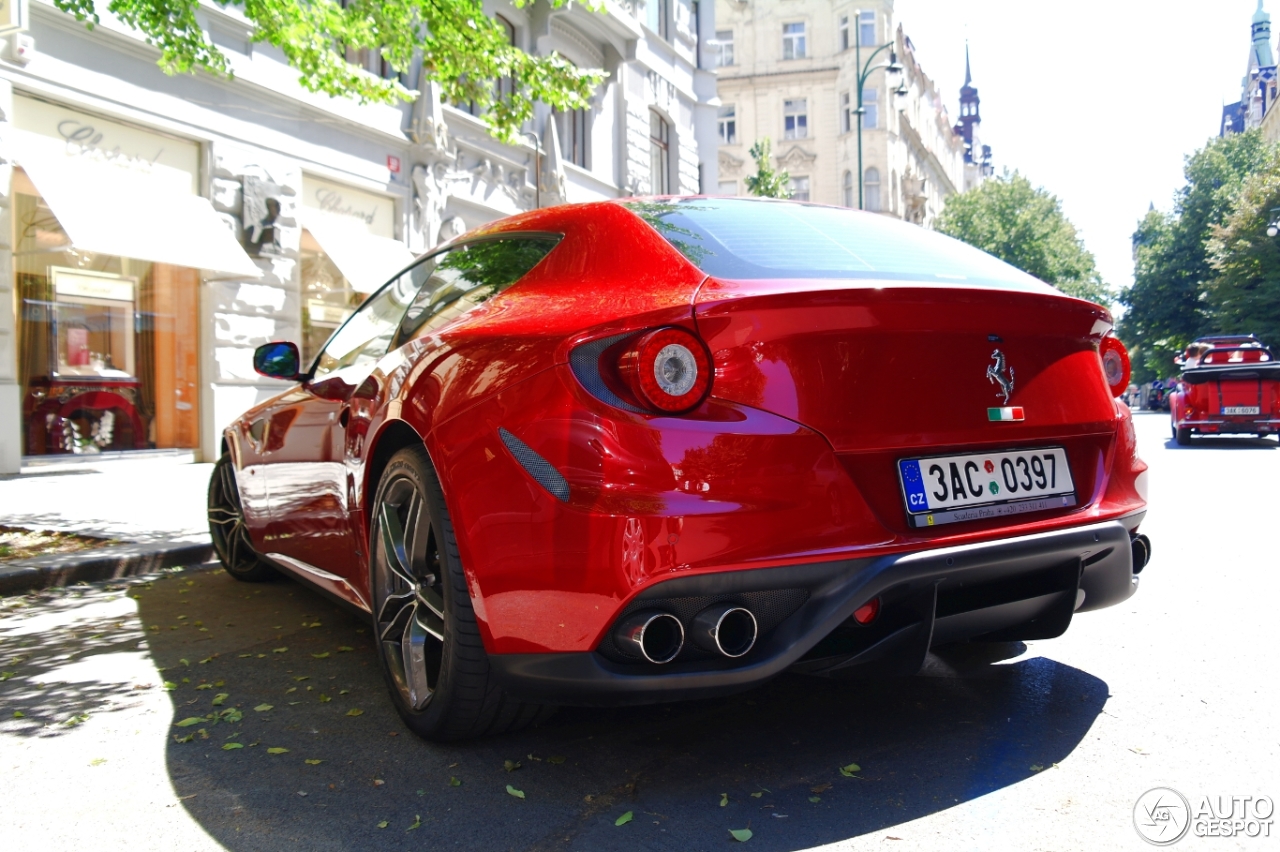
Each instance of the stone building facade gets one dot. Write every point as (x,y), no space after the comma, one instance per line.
(154,230)
(788,71)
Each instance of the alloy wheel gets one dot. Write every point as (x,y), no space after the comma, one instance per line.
(226,521)
(409,591)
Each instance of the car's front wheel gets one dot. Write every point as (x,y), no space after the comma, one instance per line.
(429,643)
(227,528)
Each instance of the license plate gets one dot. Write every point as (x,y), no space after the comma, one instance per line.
(1241,409)
(945,489)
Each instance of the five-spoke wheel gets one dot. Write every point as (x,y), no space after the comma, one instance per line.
(227,528)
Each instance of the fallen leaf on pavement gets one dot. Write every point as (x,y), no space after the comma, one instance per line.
(189,721)
(219,698)
(556,759)
(355,712)
(724,799)
(756,795)
(417,823)
(511,765)
(345,648)
(742,835)
(1035,767)
(313,761)
(204,686)
(847,771)
(519,794)
(454,782)
(278,650)
(262,708)
(383,824)
(624,819)
(230,746)
(321,656)
(277,750)
(815,799)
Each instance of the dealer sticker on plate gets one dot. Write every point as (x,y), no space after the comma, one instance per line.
(947,489)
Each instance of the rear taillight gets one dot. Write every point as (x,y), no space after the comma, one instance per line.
(1115,364)
(668,369)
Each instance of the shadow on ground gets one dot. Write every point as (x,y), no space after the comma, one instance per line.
(1225,442)
(299,674)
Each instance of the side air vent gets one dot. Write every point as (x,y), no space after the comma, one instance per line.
(539,468)
(585,363)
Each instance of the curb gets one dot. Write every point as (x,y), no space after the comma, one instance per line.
(106,563)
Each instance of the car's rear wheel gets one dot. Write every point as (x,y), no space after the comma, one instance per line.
(1182,436)
(429,643)
(227,528)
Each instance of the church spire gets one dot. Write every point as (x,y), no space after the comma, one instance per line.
(968,75)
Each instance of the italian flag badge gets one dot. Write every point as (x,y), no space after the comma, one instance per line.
(1004,415)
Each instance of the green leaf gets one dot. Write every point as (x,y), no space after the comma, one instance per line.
(847,771)
(279,650)
(742,835)
(18,714)
(345,648)
(355,712)
(277,750)
(815,799)
(511,765)
(519,794)
(230,746)
(301,678)
(324,699)
(557,759)
(1035,767)
(383,824)
(189,721)
(5,676)
(624,819)
(188,738)
(321,656)
(313,762)
(263,708)
(204,686)
(756,795)
(185,661)
(169,686)
(724,799)
(454,782)
(219,698)
(417,823)
(315,624)
(232,714)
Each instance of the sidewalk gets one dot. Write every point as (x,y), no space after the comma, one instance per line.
(155,506)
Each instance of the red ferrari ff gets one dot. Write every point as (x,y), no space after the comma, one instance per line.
(658,449)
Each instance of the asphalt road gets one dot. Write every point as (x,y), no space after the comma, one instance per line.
(1042,745)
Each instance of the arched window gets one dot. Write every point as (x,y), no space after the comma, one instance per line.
(574,127)
(848,188)
(871,189)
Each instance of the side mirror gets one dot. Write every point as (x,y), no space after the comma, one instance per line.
(277,360)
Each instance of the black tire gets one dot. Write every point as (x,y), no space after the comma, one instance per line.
(228,531)
(429,645)
(1182,437)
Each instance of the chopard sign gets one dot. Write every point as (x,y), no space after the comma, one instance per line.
(86,141)
(332,201)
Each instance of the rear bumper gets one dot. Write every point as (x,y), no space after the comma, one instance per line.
(1018,588)
(1233,425)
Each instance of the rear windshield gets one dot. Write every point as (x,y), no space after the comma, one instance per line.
(739,238)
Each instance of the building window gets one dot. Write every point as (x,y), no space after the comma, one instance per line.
(870,108)
(659,155)
(793,41)
(658,13)
(506,86)
(867,28)
(795,118)
(572,127)
(843,41)
(846,112)
(727,124)
(724,39)
(848,188)
(727,187)
(799,188)
(871,188)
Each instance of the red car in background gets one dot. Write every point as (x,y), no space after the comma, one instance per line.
(658,449)
(1230,385)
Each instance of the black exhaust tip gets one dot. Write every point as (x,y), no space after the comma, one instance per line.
(725,628)
(654,635)
(1141,552)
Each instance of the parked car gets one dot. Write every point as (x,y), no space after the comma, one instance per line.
(1230,385)
(662,449)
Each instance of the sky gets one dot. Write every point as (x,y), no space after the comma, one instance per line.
(1099,103)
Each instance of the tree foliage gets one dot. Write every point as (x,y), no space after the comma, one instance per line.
(767,183)
(1245,290)
(1025,227)
(1170,303)
(461,48)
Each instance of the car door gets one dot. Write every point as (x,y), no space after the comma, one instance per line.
(305,458)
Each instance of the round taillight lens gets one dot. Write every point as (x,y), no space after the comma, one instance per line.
(1115,364)
(669,369)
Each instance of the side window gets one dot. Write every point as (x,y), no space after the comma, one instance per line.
(467,276)
(366,335)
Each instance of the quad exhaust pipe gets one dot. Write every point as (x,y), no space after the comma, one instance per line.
(1141,552)
(725,628)
(657,636)
(654,635)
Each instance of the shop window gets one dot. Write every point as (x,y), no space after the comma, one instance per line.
(366,335)
(327,297)
(108,346)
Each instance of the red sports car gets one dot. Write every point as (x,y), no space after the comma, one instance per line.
(659,449)
(1230,386)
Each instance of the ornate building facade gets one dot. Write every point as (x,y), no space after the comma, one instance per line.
(788,71)
(1258,87)
(154,230)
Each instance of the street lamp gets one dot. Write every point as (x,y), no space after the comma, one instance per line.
(895,83)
